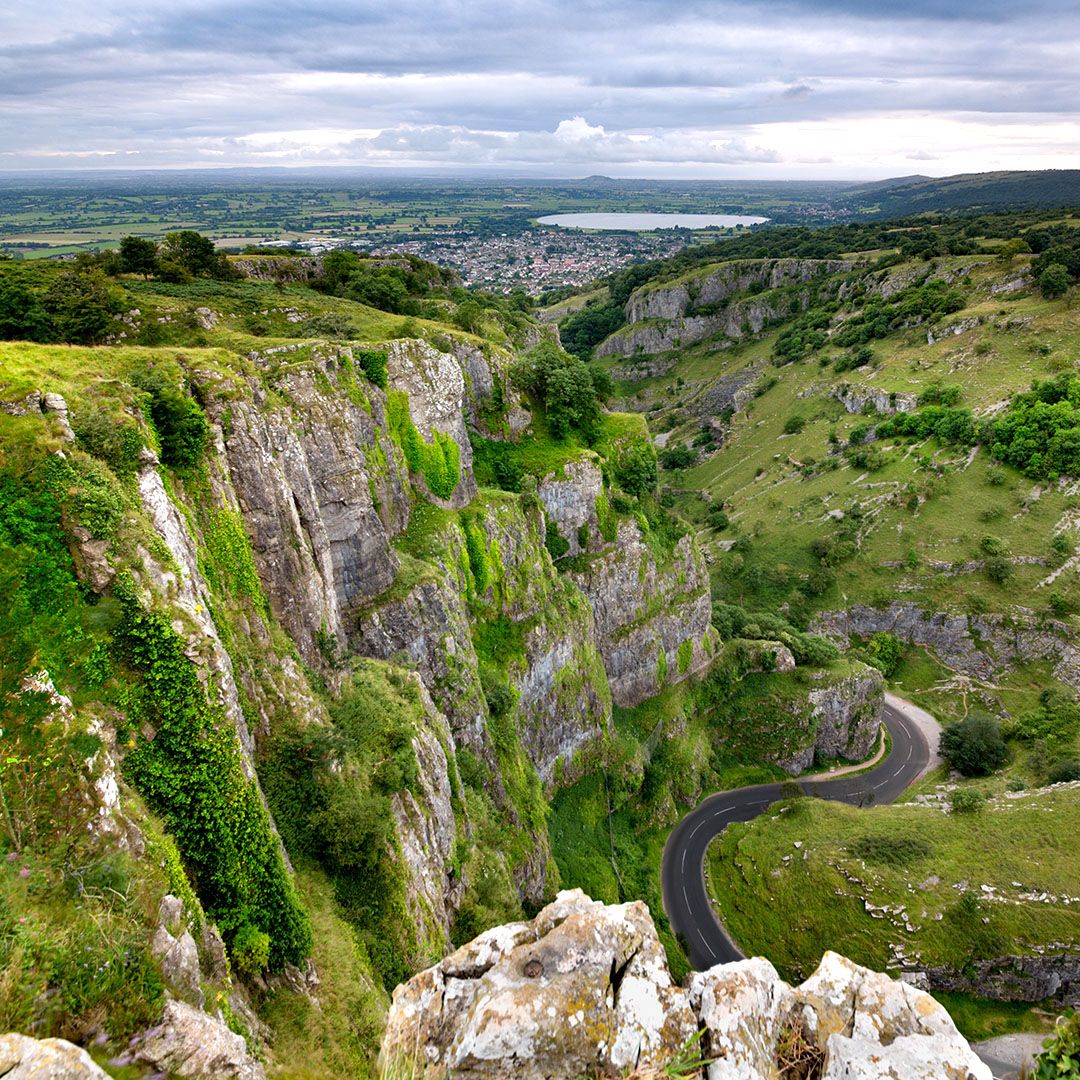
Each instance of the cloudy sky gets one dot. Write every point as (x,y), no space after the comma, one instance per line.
(804,88)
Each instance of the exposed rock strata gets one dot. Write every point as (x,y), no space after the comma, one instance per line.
(584,988)
(975,645)
(662,316)
(653,620)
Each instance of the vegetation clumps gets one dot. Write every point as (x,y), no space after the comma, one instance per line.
(190,772)
(571,393)
(974,746)
(438,461)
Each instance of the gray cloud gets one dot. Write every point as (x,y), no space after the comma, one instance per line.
(723,87)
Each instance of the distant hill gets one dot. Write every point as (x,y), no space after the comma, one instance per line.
(967,191)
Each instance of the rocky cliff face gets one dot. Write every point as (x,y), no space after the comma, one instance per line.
(976,645)
(653,617)
(652,612)
(709,304)
(584,989)
(720,283)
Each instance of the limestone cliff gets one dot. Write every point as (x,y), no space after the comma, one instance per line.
(584,989)
(730,301)
(651,608)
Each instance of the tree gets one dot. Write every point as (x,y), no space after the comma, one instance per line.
(1054,281)
(22,316)
(138,256)
(974,746)
(635,468)
(194,255)
(81,306)
(1009,250)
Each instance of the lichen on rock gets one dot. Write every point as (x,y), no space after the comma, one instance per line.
(584,989)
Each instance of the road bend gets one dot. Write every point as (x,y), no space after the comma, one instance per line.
(686,899)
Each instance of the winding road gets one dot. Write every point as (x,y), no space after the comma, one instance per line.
(686,899)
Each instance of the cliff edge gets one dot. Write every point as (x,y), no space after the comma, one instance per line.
(584,989)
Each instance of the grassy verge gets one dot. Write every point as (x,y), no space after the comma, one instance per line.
(903,887)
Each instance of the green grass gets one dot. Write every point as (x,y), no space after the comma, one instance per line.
(979,1018)
(336,1037)
(907,856)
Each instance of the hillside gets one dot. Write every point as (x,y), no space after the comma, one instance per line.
(855,438)
(968,901)
(348,616)
(966,193)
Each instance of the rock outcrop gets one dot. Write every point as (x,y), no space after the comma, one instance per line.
(23,1058)
(855,398)
(190,1043)
(710,303)
(975,645)
(584,989)
(653,617)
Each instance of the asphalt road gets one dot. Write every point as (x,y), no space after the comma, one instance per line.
(682,875)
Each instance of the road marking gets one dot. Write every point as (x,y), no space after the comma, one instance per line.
(682,866)
(724,811)
(695,829)
(704,942)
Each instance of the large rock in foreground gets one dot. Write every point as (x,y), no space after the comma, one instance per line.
(584,989)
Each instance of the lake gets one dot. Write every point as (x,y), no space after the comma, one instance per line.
(638,222)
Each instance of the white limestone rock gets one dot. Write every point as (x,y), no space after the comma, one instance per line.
(23,1058)
(584,987)
(744,1007)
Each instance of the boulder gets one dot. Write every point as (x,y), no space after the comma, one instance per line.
(188,1042)
(23,1058)
(584,990)
(743,1007)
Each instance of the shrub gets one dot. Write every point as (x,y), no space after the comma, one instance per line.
(372,362)
(81,306)
(117,443)
(718,519)
(250,951)
(332,324)
(794,424)
(635,468)
(884,651)
(1054,281)
(1060,1058)
(180,423)
(554,540)
(974,746)
(677,457)
(999,569)
(1064,772)
(966,801)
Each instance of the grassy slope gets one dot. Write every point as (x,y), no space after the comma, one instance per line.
(781,511)
(766,887)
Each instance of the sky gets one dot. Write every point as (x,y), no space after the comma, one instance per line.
(801,89)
